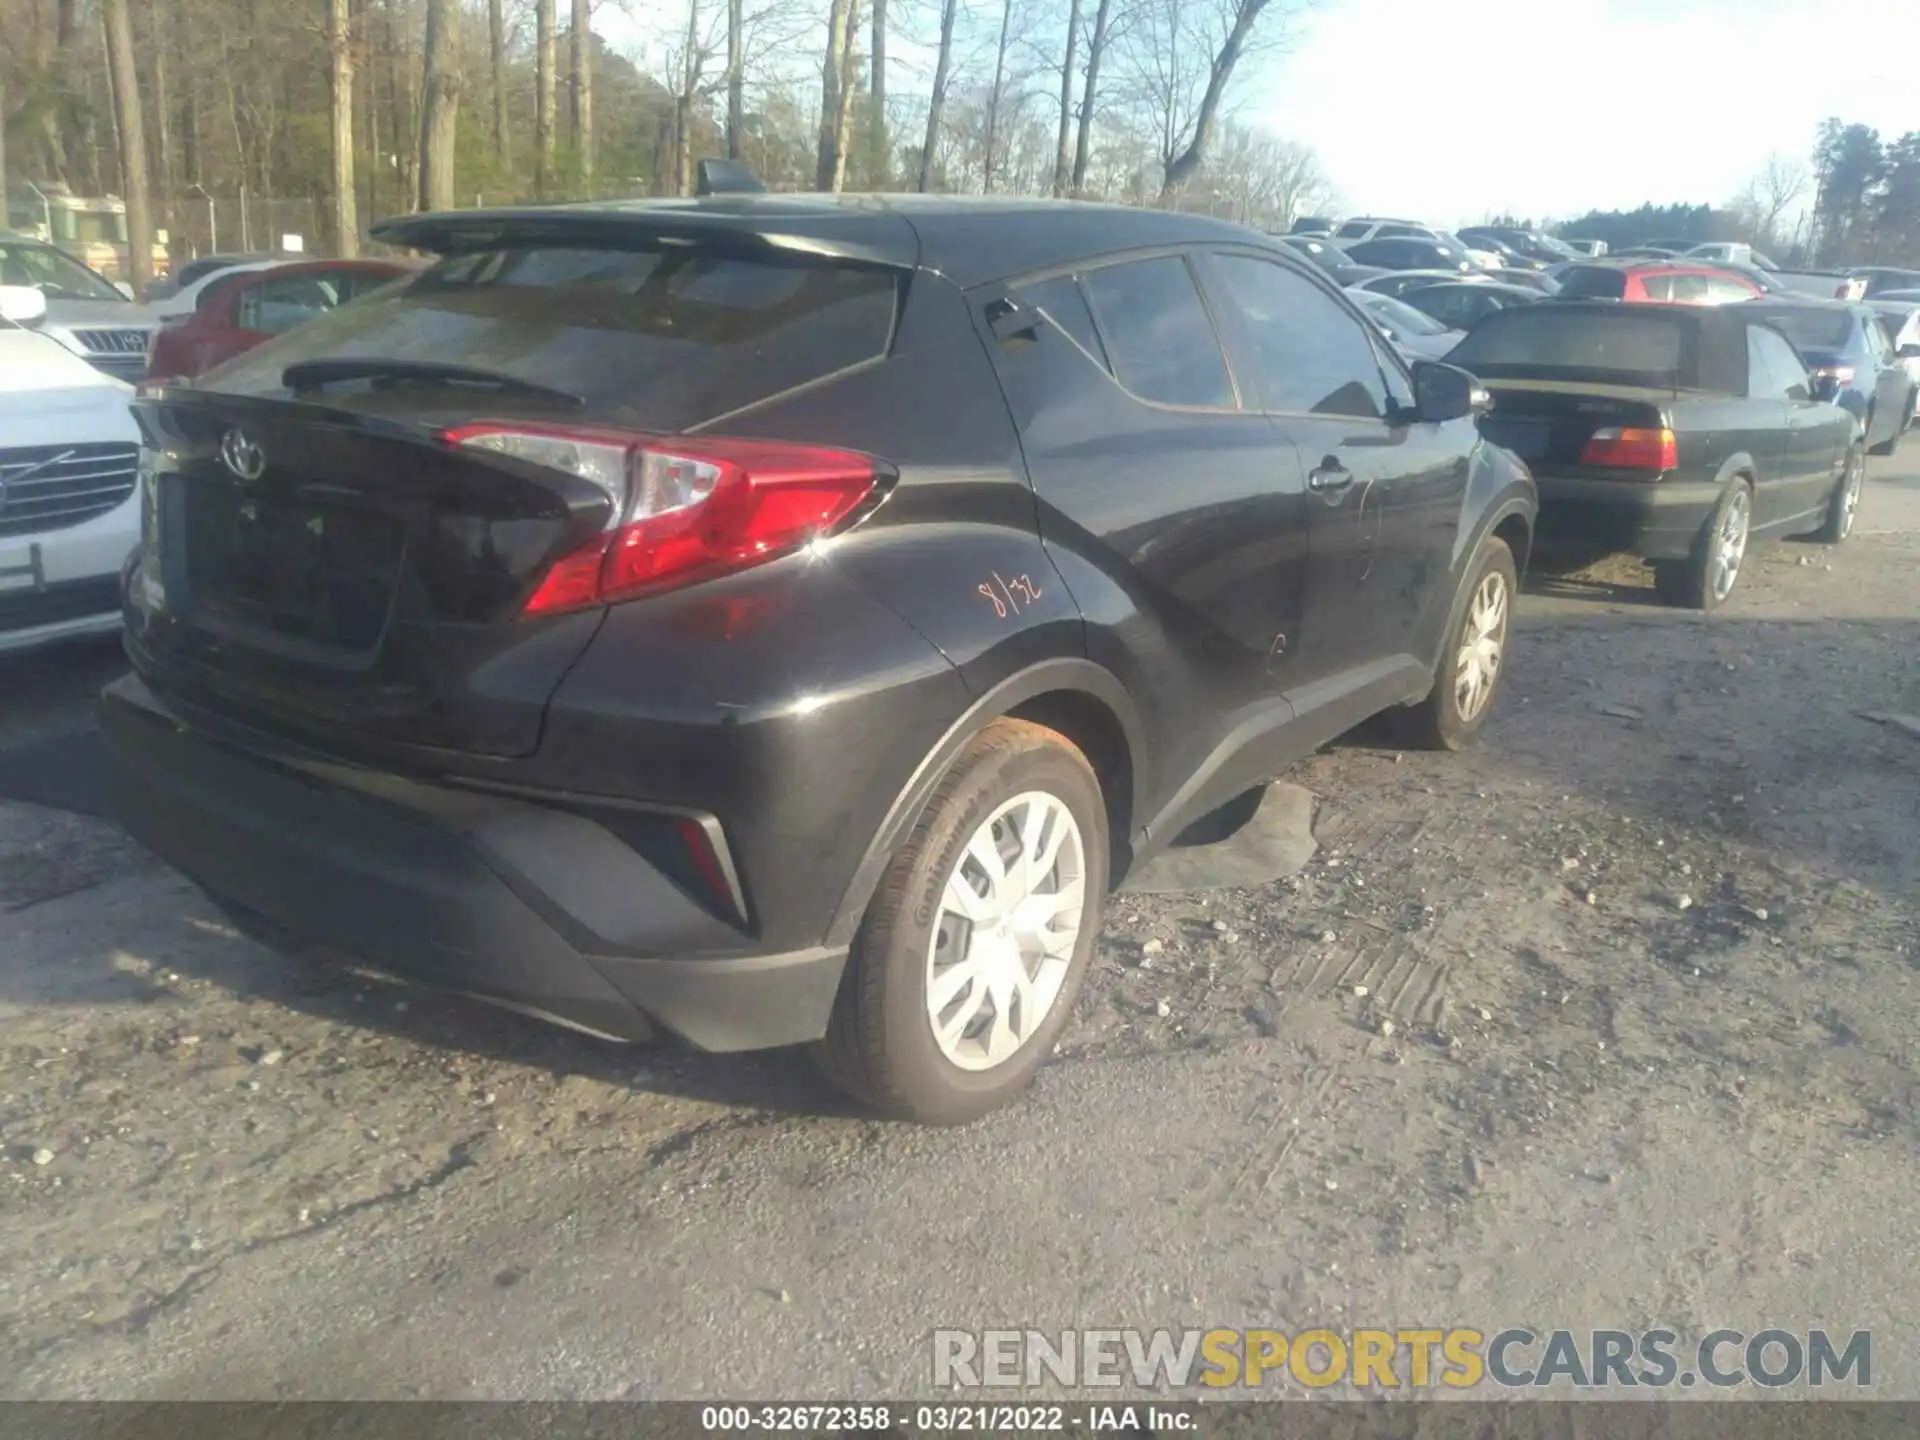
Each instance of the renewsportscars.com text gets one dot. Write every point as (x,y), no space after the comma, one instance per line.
(1458,1358)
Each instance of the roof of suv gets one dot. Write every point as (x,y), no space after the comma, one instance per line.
(970,240)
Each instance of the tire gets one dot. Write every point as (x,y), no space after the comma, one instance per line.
(881,1044)
(1702,581)
(1845,501)
(1452,715)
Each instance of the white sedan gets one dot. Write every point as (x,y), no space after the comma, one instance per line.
(69,484)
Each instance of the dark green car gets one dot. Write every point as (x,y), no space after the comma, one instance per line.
(1676,433)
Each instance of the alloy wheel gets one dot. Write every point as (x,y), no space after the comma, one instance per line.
(1729,545)
(1850,495)
(1483,640)
(1010,916)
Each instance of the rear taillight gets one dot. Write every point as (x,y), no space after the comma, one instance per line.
(685,508)
(1618,449)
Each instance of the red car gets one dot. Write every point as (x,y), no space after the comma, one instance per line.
(237,312)
(1656,282)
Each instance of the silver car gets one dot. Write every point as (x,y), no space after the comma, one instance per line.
(86,313)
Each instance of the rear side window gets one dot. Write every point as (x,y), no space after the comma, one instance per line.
(1352,230)
(1158,335)
(1691,289)
(1593,282)
(1064,304)
(1812,328)
(1784,374)
(658,335)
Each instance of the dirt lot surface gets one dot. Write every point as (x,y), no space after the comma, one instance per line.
(1609,1023)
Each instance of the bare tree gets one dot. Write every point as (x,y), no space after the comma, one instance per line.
(580,45)
(686,94)
(497,58)
(1062,154)
(440,111)
(942,77)
(543,92)
(1089,94)
(831,169)
(403,110)
(849,83)
(133,143)
(1259,180)
(346,220)
(736,77)
(879,147)
(996,96)
(1188,131)
(1779,185)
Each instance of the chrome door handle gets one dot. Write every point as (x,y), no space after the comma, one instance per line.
(1328,478)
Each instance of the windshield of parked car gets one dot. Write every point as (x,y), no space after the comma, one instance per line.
(53,272)
(1593,282)
(1318,251)
(1629,345)
(1399,315)
(1812,329)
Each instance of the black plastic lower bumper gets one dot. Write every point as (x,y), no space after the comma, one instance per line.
(504,897)
(1657,520)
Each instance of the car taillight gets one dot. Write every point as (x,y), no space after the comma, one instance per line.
(685,508)
(1629,449)
(1839,374)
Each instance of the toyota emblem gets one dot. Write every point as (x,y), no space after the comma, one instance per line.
(240,454)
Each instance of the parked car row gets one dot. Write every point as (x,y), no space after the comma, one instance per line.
(1847,343)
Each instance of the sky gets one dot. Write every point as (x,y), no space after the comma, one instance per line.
(1451,111)
(1428,109)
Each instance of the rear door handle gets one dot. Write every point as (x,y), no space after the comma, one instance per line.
(1329,479)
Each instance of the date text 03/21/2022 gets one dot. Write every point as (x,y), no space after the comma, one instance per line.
(982,1419)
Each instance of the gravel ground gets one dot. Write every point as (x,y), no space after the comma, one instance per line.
(1609,1023)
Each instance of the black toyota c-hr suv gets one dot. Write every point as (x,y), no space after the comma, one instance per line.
(783,619)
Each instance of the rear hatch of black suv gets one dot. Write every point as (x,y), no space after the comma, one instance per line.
(402,522)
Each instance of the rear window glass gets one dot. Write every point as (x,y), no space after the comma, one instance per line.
(672,336)
(1158,334)
(1593,282)
(1813,329)
(1633,346)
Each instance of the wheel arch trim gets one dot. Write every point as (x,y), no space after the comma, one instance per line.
(1061,674)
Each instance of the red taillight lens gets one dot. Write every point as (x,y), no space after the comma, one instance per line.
(684,508)
(1618,449)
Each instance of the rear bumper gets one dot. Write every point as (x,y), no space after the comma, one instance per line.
(502,897)
(1656,520)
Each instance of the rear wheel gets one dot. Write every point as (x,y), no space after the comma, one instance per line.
(1472,661)
(1708,576)
(973,949)
(1845,503)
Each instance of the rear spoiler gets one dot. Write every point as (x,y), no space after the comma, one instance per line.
(801,225)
